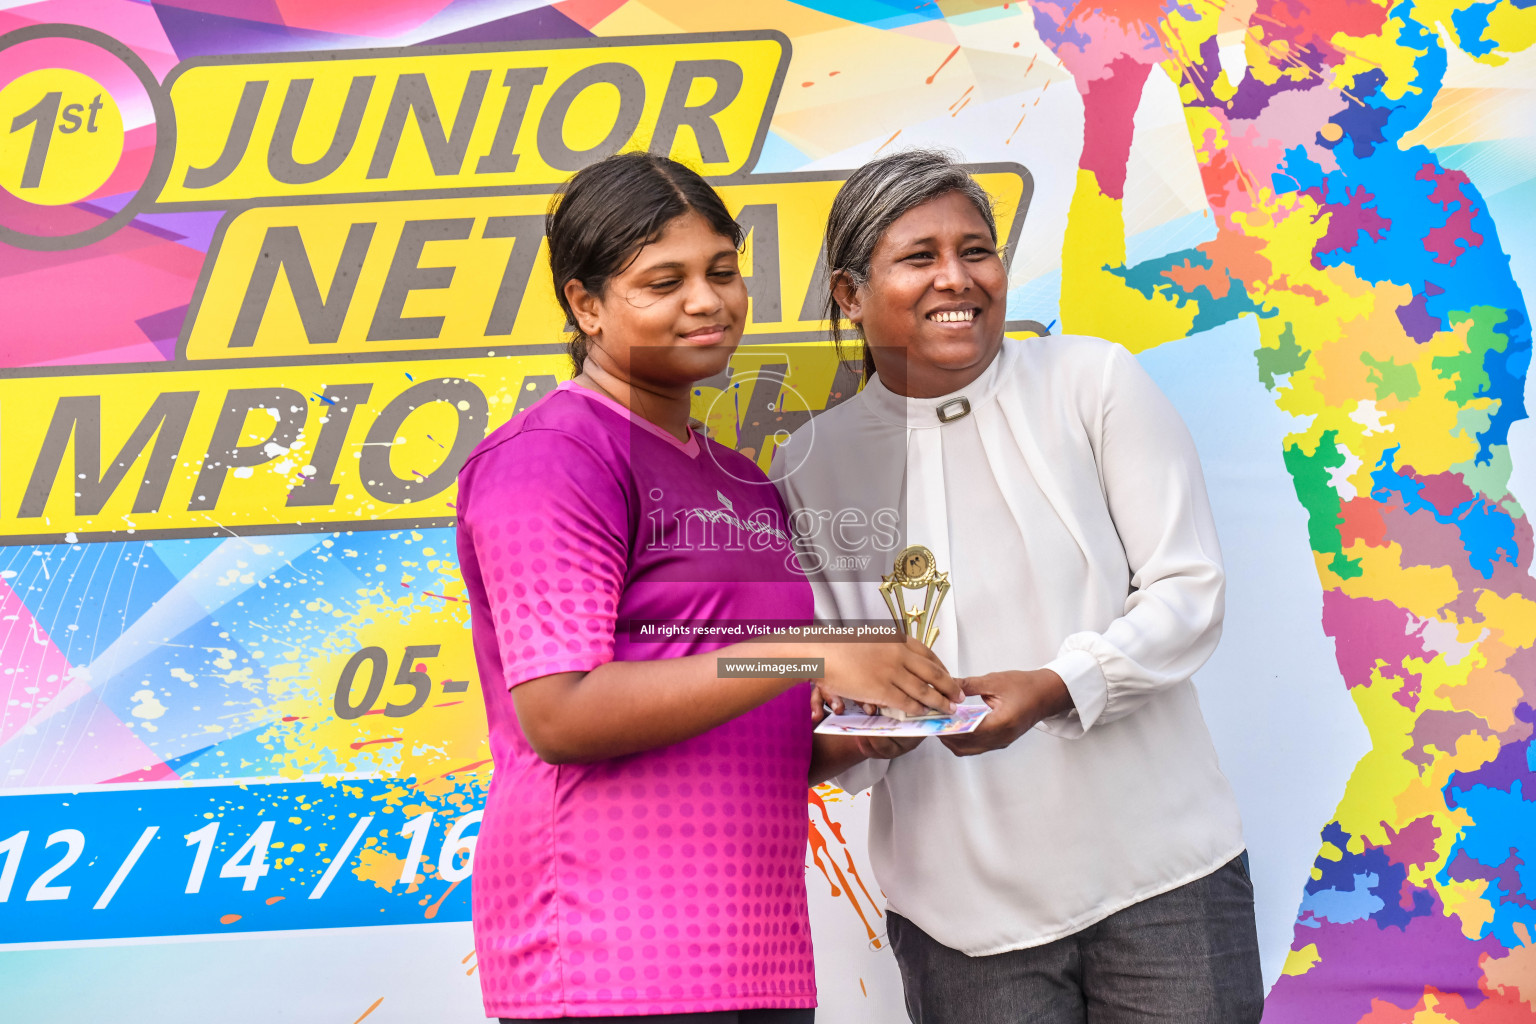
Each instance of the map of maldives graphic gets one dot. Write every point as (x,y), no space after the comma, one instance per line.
(1392,329)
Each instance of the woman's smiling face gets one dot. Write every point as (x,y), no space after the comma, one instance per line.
(935,299)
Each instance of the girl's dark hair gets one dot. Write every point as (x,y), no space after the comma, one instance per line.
(609,211)
(872,199)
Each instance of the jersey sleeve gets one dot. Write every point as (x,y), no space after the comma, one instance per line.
(546,521)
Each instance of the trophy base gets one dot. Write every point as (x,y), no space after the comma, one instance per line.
(902,716)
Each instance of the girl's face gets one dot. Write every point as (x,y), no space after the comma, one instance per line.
(934,304)
(674,315)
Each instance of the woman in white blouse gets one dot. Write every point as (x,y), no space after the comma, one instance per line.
(1079,857)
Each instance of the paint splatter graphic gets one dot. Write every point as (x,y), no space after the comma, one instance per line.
(321,684)
(834,859)
(1392,329)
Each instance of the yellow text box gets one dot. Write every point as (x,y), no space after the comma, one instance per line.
(473,273)
(443,119)
(209,452)
(251,449)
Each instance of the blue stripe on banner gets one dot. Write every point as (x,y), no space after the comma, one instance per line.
(192,860)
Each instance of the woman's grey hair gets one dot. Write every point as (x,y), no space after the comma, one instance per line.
(872,199)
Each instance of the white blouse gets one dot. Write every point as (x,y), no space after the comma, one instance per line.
(1069,509)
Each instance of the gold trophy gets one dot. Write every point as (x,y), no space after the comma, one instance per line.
(915,569)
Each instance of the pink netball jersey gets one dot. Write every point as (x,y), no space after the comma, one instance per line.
(671,881)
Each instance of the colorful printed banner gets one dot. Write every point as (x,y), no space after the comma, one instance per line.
(269,270)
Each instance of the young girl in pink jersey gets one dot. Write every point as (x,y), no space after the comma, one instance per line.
(642,850)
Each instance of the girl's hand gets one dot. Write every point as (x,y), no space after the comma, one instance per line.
(887,747)
(906,676)
(823,704)
(833,755)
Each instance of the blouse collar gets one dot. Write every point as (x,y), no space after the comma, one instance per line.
(920,413)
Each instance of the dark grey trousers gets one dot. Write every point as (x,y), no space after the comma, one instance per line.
(1189,956)
(722,1017)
